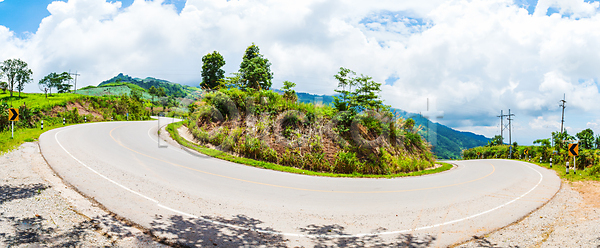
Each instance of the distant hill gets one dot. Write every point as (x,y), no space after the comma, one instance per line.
(172,89)
(450,142)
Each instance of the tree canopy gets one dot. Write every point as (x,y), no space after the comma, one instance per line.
(17,72)
(57,81)
(255,69)
(365,95)
(586,138)
(212,74)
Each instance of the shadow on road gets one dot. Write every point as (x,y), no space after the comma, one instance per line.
(199,233)
(189,232)
(402,240)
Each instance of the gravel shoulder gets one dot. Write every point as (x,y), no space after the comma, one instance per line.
(570,219)
(38,210)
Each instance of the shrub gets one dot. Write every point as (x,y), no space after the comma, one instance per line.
(347,163)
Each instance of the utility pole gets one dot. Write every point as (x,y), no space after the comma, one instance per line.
(501,124)
(509,127)
(75,84)
(562,104)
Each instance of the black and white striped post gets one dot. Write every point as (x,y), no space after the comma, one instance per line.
(42,124)
(85,119)
(567,167)
(63,121)
(550,162)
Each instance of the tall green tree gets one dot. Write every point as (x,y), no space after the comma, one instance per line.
(543,142)
(57,81)
(288,91)
(346,80)
(496,141)
(597,142)
(586,138)
(212,74)
(16,72)
(364,96)
(255,69)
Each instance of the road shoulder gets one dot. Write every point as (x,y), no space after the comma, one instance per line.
(570,219)
(37,208)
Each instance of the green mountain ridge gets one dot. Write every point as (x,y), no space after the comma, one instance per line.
(171,89)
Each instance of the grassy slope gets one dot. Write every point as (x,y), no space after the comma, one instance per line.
(32,100)
(38,100)
(171,128)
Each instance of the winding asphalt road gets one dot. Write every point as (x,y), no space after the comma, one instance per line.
(201,201)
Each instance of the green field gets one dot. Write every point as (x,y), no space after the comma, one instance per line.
(38,100)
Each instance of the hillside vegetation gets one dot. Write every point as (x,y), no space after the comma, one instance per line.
(72,108)
(263,125)
(450,143)
(587,162)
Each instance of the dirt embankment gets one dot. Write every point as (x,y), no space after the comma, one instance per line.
(81,109)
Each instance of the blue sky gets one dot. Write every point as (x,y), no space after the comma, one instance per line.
(471,58)
(24,16)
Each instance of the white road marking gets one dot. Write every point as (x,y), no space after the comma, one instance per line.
(296,234)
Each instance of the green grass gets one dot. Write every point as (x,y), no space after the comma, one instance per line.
(37,100)
(22,135)
(580,175)
(171,128)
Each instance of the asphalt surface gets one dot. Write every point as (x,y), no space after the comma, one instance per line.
(196,200)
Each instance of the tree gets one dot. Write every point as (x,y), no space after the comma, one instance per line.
(16,71)
(365,95)
(3,86)
(212,74)
(586,138)
(496,141)
(542,142)
(288,91)
(559,139)
(597,141)
(345,83)
(23,77)
(255,70)
(58,81)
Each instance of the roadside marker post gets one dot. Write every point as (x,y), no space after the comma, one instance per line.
(63,121)
(550,162)
(85,119)
(540,159)
(573,152)
(42,124)
(567,167)
(13,115)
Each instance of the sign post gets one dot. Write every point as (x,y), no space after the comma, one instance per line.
(573,152)
(13,115)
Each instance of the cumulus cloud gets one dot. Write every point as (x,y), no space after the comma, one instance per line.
(475,57)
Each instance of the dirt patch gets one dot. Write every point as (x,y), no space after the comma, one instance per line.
(590,192)
(83,110)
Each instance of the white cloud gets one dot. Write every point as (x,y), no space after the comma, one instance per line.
(475,57)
